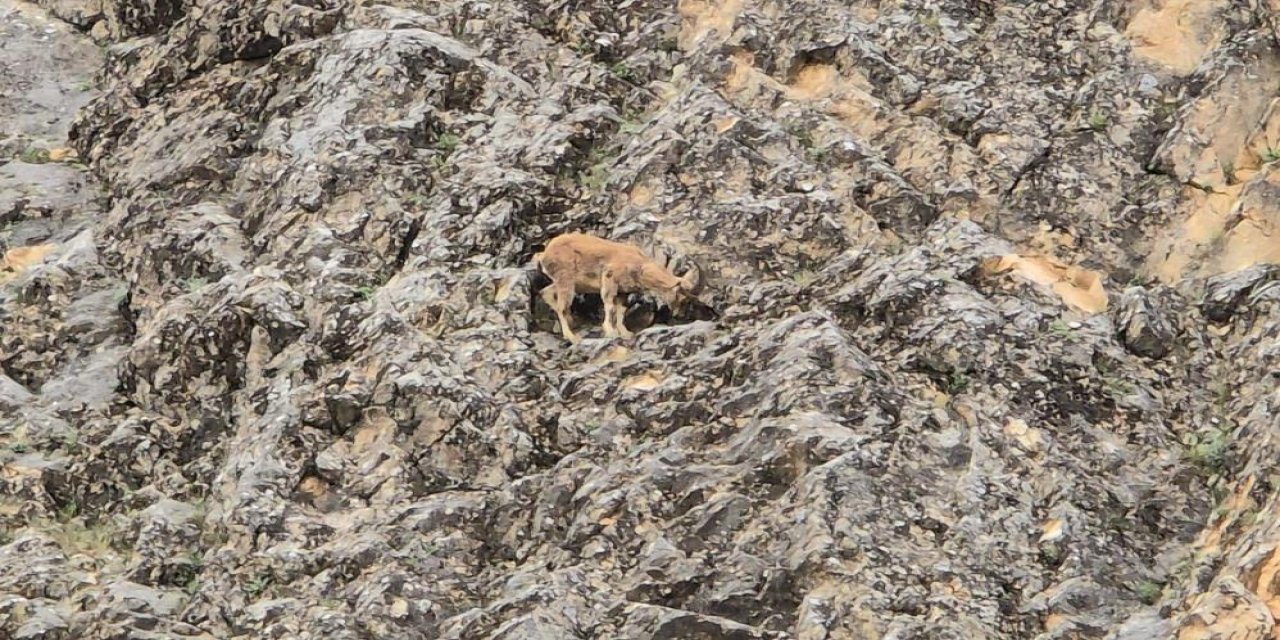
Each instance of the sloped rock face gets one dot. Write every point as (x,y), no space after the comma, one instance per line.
(976,368)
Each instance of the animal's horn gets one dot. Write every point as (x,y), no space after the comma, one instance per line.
(693,278)
(661,256)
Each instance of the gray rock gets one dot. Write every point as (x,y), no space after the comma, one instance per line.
(289,374)
(1145,329)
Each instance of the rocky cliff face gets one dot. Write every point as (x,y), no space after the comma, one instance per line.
(992,355)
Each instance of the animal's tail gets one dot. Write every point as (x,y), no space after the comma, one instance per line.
(539,278)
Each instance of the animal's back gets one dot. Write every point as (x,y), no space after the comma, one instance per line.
(583,257)
(589,245)
(589,251)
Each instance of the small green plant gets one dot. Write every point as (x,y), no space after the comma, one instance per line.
(634,118)
(1050,553)
(1248,517)
(1208,450)
(957,382)
(30,190)
(417,200)
(212,536)
(1119,523)
(257,586)
(631,126)
(68,512)
(71,441)
(1229,171)
(194,564)
(84,86)
(594,179)
(1218,239)
(1271,154)
(803,135)
(1222,393)
(932,21)
(1059,327)
(1148,591)
(804,277)
(365,292)
(201,507)
(447,142)
(623,72)
(1117,386)
(194,284)
(19,447)
(34,155)
(75,536)
(1219,512)
(1097,120)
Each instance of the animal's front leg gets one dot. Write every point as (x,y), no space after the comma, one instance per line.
(549,296)
(564,328)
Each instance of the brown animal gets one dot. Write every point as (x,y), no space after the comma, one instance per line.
(581,263)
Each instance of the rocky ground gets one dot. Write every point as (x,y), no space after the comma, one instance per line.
(992,353)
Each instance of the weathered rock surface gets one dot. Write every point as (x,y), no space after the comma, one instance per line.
(987,349)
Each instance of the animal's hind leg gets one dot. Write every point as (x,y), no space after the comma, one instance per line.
(563,292)
(609,299)
(620,318)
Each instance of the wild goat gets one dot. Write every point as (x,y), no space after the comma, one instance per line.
(581,263)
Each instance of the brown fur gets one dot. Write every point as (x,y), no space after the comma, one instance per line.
(581,263)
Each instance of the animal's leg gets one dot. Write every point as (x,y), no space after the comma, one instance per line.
(609,298)
(620,318)
(549,297)
(563,291)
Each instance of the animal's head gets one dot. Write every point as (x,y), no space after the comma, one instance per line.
(673,291)
(678,294)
